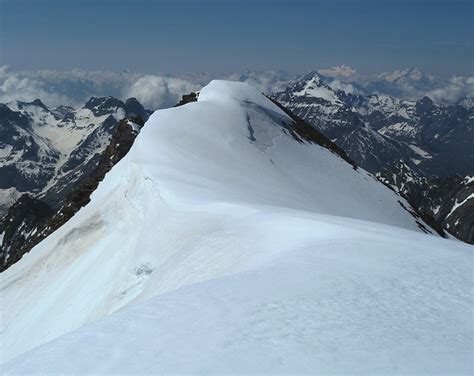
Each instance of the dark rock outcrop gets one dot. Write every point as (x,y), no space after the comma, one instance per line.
(21,227)
(449,200)
(188,98)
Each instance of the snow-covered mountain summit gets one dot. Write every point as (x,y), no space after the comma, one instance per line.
(257,250)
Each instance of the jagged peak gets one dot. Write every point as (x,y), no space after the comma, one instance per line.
(424,104)
(312,76)
(37,102)
(100,101)
(132,100)
(19,105)
(103,105)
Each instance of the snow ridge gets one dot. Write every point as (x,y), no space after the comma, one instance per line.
(263,252)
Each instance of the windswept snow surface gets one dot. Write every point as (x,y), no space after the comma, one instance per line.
(234,248)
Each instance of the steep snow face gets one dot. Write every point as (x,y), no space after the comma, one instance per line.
(218,206)
(396,139)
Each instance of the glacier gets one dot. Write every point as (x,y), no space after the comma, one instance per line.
(222,244)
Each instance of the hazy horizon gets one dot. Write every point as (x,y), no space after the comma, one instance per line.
(359,70)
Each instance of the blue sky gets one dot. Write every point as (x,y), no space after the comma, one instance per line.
(221,36)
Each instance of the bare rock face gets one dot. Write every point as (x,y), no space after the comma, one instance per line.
(20,227)
(449,200)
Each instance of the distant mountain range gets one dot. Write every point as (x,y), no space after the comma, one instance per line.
(156,91)
(409,84)
(47,151)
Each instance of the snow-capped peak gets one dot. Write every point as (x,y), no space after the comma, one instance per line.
(312,85)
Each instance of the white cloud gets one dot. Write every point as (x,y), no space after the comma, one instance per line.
(456,88)
(342,71)
(344,86)
(14,86)
(75,87)
(159,92)
(267,82)
(4,70)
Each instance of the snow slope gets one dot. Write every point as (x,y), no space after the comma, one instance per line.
(317,308)
(236,248)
